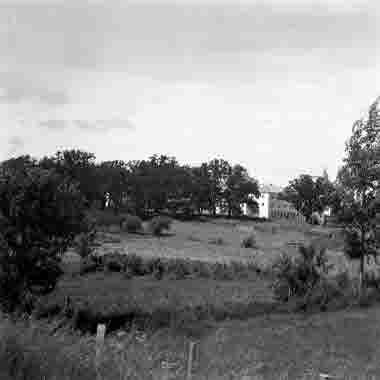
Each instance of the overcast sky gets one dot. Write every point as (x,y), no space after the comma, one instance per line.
(274,85)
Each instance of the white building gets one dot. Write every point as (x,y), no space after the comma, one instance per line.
(267,192)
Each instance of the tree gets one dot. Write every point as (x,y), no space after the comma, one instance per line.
(80,167)
(153,182)
(359,178)
(201,187)
(218,172)
(113,176)
(239,189)
(41,211)
(307,195)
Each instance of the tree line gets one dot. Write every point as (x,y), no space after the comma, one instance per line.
(152,185)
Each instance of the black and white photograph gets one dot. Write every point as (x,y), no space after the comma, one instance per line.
(189,189)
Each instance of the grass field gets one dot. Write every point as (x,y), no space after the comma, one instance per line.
(239,328)
(111,297)
(342,344)
(220,240)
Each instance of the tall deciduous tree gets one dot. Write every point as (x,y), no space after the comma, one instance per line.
(218,171)
(154,181)
(239,189)
(113,176)
(307,195)
(80,167)
(41,211)
(359,178)
(201,187)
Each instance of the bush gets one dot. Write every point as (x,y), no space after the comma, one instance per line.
(316,219)
(352,244)
(249,241)
(297,277)
(41,212)
(159,224)
(131,223)
(84,243)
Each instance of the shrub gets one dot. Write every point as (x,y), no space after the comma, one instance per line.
(324,293)
(41,212)
(249,241)
(84,243)
(131,223)
(297,277)
(352,244)
(159,224)
(315,219)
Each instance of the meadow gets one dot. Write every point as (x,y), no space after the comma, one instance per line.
(224,303)
(220,240)
(342,344)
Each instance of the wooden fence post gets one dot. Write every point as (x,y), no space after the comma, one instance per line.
(100,333)
(190,360)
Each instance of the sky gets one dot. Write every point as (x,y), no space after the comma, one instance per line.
(273,85)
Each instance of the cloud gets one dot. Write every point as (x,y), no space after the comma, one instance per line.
(156,33)
(88,125)
(18,93)
(103,125)
(54,124)
(15,144)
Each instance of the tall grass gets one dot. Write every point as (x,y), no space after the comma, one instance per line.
(29,351)
(151,304)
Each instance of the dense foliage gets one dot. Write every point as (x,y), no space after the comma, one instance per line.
(359,184)
(308,195)
(41,211)
(160,183)
(306,280)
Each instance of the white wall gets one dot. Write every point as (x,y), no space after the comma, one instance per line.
(263,203)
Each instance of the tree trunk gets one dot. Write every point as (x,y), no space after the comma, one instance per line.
(361,276)
(362,264)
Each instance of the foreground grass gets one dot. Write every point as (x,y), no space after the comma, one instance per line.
(116,300)
(342,344)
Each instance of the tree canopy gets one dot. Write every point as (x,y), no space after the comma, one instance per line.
(359,184)
(308,195)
